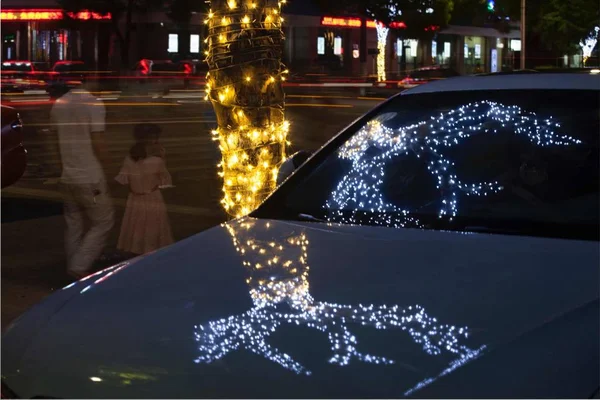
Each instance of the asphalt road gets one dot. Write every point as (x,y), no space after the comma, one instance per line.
(33,259)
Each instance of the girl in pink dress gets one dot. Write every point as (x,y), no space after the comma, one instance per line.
(145,226)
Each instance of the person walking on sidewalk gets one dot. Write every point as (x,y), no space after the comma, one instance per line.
(80,122)
(145,226)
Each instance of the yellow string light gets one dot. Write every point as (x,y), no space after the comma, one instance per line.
(382,32)
(252,136)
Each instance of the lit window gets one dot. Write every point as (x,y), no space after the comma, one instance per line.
(446,49)
(320,45)
(515,44)
(399,47)
(173,43)
(477,51)
(194,43)
(433,49)
(413,47)
(337,46)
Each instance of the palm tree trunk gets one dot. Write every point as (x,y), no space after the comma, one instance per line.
(244,85)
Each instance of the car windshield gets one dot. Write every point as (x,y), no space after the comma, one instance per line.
(523,162)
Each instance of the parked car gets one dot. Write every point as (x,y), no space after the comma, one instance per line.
(68,74)
(426,75)
(162,76)
(445,245)
(21,76)
(75,70)
(14,155)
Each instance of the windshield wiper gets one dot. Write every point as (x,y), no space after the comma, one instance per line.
(308,217)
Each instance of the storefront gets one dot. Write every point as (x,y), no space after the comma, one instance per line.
(330,44)
(44,35)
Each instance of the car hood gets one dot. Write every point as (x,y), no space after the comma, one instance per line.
(265,308)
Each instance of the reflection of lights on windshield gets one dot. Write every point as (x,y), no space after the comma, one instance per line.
(95,379)
(285,281)
(361,188)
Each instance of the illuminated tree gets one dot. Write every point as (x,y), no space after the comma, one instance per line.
(382,33)
(562,25)
(244,84)
(587,45)
(411,19)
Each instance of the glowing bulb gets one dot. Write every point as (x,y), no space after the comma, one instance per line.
(210,14)
(221,97)
(248,79)
(246,19)
(272,79)
(253,5)
(224,21)
(232,4)
(221,38)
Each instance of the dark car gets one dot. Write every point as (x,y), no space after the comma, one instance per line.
(425,75)
(70,70)
(14,155)
(162,76)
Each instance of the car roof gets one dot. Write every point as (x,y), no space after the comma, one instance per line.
(562,81)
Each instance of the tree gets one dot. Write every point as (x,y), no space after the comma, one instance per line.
(562,25)
(417,19)
(244,84)
(118,9)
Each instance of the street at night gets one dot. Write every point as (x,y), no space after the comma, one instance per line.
(33,256)
(300,199)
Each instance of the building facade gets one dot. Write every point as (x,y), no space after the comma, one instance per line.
(35,30)
(330,43)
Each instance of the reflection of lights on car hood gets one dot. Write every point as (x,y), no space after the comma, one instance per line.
(100,276)
(360,189)
(279,289)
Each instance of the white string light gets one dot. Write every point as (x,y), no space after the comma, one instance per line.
(587,46)
(276,281)
(360,189)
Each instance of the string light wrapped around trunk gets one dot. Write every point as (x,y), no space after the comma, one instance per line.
(382,32)
(244,85)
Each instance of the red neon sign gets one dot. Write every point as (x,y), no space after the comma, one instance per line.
(49,14)
(355,23)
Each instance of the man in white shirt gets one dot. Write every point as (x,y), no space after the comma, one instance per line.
(80,120)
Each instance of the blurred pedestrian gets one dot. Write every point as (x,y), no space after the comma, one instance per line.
(80,121)
(145,226)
